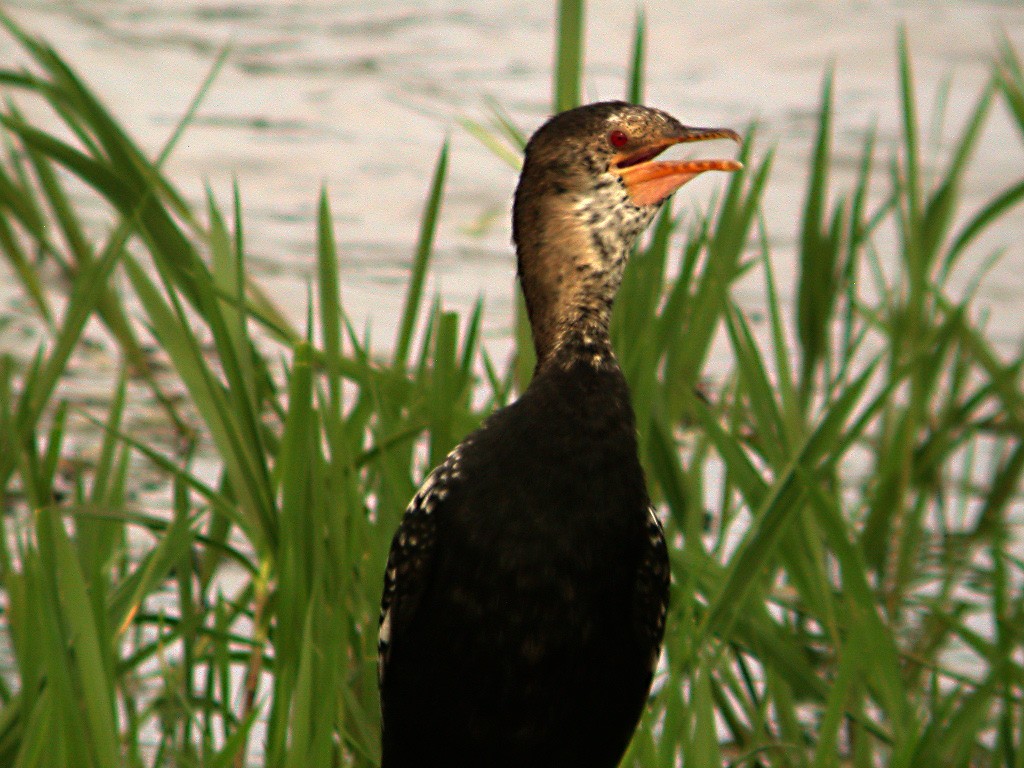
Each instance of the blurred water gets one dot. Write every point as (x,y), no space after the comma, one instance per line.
(359,96)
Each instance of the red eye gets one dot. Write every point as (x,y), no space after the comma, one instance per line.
(618,139)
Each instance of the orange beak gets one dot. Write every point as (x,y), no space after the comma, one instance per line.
(649,182)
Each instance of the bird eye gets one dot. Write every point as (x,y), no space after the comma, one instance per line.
(618,139)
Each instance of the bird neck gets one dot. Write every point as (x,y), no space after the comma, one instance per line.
(572,250)
(570,275)
(573,233)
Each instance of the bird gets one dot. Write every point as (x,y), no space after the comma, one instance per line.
(526,588)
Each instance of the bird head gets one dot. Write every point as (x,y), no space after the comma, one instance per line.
(600,163)
(591,183)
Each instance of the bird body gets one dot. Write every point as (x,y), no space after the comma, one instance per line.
(527,586)
(510,643)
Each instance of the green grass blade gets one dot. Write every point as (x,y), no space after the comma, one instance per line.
(819,252)
(1010,74)
(89,672)
(421,260)
(635,93)
(569,55)
(1001,204)
(330,300)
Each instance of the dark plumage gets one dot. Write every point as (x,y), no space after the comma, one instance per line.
(526,590)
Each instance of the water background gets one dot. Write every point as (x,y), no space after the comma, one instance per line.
(358,96)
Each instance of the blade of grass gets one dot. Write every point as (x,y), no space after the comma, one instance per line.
(421,260)
(569,55)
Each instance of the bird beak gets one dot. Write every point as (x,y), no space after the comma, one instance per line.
(649,182)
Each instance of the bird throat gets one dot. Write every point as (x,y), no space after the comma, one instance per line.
(571,282)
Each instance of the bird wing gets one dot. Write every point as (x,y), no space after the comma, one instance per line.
(650,600)
(411,557)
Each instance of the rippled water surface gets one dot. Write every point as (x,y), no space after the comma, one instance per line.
(359,96)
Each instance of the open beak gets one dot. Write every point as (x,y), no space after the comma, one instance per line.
(649,181)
